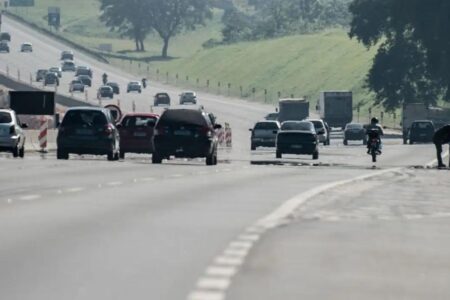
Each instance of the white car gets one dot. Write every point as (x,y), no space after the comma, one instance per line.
(68,66)
(321,130)
(26,47)
(12,137)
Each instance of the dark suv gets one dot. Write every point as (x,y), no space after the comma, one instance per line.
(161,99)
(185,133)
(4,47)
(421,132)
(88,130)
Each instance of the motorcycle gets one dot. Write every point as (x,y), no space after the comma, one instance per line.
(144,83)
(374,149)
(105,78)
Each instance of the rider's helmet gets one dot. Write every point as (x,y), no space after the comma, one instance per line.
(374,121)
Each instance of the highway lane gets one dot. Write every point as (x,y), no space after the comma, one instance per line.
(91,229)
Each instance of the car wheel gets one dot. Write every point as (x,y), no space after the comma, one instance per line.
(315,156)
(411,142)
(22,152)
(253,147)
(122,155)
(15,152)
(60,154)
(210,159)
(111,156)
(279,154)
(156,159)
(345,142)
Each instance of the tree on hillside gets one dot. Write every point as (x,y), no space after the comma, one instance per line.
(128,17)
(169,17)
(413,61)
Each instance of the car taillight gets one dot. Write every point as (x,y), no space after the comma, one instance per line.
(205,131)
(108,130)
(12,130)
(160,131)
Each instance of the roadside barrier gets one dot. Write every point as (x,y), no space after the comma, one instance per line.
(43,132)
(118,103)
(228,136)
(221,136)
(134,106)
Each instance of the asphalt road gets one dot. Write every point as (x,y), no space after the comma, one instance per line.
(91,229)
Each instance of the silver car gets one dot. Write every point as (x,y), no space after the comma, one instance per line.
(12,136)
(322,132)
(264,134)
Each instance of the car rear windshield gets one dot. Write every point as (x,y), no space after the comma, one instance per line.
(89,118)
(183,117)
(296,126)
(266,126)
(5,118)
(317,124)
(355,126)
(422,125)
(139,121)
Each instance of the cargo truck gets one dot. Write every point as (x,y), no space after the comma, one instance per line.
(293,110)
(336,108)
(420,111)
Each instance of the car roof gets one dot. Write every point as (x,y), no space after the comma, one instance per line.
(93,108)
(105,87)
(27,43)
(6,110)
(110,82)
(134,82)
(423,121)
(141,115)
(267,121)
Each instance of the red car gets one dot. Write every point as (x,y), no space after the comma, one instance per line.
(136,133)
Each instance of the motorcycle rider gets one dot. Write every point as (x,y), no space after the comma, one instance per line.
(441,137)
(144,83)
(105,78)
(374,131)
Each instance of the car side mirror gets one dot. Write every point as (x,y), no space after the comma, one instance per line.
(217,126)
(24,125)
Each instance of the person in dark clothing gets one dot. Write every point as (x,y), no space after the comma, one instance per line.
(441,137)
(374,131)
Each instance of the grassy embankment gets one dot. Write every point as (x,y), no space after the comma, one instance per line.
(301,65)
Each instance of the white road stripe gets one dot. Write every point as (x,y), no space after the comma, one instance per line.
(205,295)
(30,197)
(213,283)
(241,245)
(75,190)
(115,183)
(249,237)
(221,271)
(229,261)
(236,252)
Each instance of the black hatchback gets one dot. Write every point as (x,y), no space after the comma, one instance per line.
(88,130)
(185,133)
(421,132)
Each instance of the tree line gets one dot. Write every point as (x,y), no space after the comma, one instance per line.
(137,18)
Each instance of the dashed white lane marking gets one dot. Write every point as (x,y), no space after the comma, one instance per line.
(115,183)
(221,271)
(229,261)
(9,201)
(75,190)
(213,283)
(30,197)
(218,276)
(206,296)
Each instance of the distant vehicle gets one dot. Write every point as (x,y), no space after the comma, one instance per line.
(321,131)
(336,108)
(40,74)
(76,86)
(185,133)
(68,66)
(105,91)
(419,111)
(51,79)
(188,97)
(264,134)
(114,86)
(355,132)
(12,136)
(272,117)
(88,130)
(56,70)
(134,86)
(136,133)
(5,36)
(4,47)
(421,132)
(67,55)
(26,47)
(297,138)
(293,110)
(85,79)
(81,70)
(161,99)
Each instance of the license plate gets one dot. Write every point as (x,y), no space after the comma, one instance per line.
(140,134)
(296,146)
(85,132)
(182,132)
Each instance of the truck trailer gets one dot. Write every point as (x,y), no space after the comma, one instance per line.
(336,108)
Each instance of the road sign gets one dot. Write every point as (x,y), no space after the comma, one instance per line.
(54,16)
(32,103)
(21,3)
